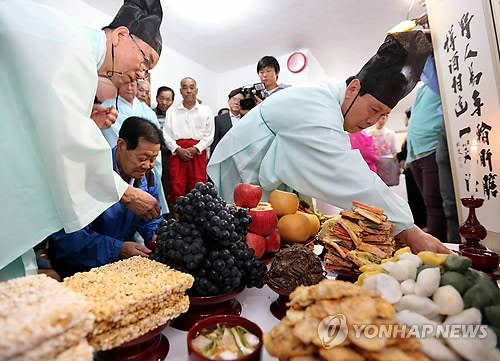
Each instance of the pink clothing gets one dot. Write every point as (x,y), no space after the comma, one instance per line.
(384,141)
(362,141)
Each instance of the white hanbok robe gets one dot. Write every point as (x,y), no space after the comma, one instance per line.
(296,137)
(137,109)
(56,167)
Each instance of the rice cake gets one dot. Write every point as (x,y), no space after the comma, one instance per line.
(52,347)
(35,309)
(127,286)
(122,321)
(81,352)
(117,337)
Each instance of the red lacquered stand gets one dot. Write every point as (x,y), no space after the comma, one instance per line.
(472,231)
(152,346)
(202,307)
(278,307)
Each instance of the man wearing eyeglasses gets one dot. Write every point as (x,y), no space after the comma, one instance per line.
(60,175)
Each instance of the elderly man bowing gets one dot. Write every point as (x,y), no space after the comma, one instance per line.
(110,236)
(60,174)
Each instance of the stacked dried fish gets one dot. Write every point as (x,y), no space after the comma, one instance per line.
(300,335)
(357,237)
(42,320)
(130,298)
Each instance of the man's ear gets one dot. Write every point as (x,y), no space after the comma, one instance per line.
(118,34)
(353,89)
(121,144)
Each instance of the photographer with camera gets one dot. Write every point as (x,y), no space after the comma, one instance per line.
(268,69)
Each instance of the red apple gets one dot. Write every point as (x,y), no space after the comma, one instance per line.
(273,241)
(257,242)
(247,195)
(264,219)
(151,245)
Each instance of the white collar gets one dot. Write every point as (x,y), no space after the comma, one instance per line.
(101,48)
(181,106)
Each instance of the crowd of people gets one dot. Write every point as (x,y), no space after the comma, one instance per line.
(95,191)
(189,132)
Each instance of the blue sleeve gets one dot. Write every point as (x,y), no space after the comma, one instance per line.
(151,116)
(87,247)
(429,75)
(147,228)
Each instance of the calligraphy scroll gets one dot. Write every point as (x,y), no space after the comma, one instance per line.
(466,56)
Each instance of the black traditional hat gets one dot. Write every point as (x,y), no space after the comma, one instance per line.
(143,19)
(394,71)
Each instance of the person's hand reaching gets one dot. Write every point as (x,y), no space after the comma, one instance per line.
(131,249)
(141,203)
(419,241)
(104,117)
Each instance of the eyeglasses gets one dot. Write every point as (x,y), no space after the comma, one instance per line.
(146,61)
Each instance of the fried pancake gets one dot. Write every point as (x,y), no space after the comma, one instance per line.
(340,354)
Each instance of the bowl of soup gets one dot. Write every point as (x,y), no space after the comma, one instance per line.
(225,337)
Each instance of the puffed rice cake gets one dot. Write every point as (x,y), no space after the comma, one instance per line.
(36,310)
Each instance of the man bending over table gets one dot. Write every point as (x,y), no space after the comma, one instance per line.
(109,237)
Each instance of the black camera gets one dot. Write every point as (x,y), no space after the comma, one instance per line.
(249,92)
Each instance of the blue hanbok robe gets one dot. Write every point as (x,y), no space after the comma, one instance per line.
(296,138)
(100,242)
(137,109)
(55,169)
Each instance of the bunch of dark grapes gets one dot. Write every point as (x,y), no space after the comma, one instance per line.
(179,244)
(250,266)
(204,208)
(208,242)
(241,220)
(219,274)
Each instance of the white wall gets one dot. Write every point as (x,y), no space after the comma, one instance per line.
(173,67)
(247,74)
(81,12)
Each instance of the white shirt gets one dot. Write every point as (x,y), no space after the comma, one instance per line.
(182,123)
(234,118)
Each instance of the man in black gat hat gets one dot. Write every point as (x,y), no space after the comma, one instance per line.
(297,139)
(389,76)
(61,175)
(133,42)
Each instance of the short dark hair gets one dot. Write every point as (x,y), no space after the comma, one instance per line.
(135,127)
(234,92)
(165,89)
(408,113)
(268,61)
(361,90)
